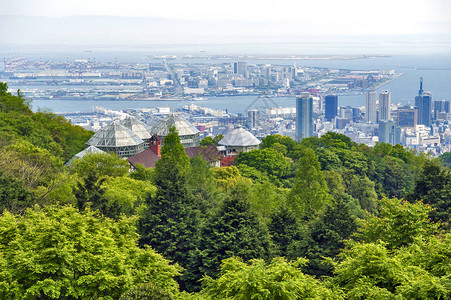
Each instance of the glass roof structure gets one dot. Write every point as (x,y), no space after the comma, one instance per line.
(183,127)
(138,127)
(114,135)
(240,137)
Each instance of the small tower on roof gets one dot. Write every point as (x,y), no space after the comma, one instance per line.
(155,144)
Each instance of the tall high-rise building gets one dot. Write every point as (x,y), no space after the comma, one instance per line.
(425,108)
(304,116)
(387,132)
(331,107)
(441,106)
(423,103)
(420,91)
(240,68)
(384,105)
(252,118)
(370,109)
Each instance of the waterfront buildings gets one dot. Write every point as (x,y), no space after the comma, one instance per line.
(304,116)
(370,108)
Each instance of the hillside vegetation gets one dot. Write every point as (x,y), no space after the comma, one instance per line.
(322,219)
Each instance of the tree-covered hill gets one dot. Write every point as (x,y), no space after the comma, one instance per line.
(42,129)
(322,219)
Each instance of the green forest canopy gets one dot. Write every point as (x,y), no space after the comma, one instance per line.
(325,218)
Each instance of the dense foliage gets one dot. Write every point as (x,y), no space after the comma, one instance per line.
(321,219)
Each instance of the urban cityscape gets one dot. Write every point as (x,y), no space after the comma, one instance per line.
(205,150)
(422,125)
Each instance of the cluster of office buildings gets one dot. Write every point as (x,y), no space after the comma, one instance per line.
(424,126)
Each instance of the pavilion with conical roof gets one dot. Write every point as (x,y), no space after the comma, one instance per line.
(189,135)
(139,128)
(118,139)
(239,140)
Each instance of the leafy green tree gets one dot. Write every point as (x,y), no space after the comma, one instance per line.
(334,183)
(91,193)
(32,165)
(276,280)
(102,164)
(143,174)
(60,253)
(368,271)
(42,129)
(169,224)
(398,223)
(362,189)
(266,198)
(329,159)
(270,140)
(147,291)
(252,173)
(226,177)
(418,271)
(325,238)
(126,194)
(328,140)
(208,140)
(310,193)
(218,138)
(280,148)
(268,161)
(14,197)
(353,160)
(234,230)
(8,102)
(285,230)
(446,159)
(433,186)
(202,185)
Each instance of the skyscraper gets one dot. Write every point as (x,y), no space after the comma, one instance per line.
(423,102)
(370,110)
(384,105)
(420,91)
(240,68)
(425,108)
(387,132)
(331,107)
(252,118)
(304,116)
(441,106)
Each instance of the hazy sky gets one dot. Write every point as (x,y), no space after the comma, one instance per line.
(321,16)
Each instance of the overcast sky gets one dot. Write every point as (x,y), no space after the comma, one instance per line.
(327,16)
